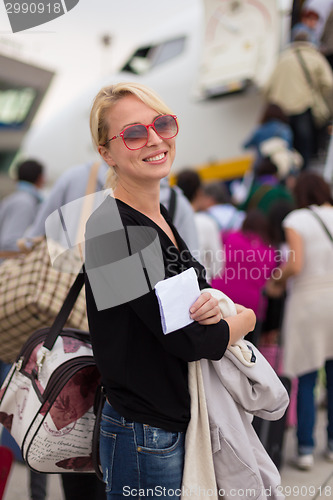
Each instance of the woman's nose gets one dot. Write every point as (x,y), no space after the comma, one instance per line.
(153,137)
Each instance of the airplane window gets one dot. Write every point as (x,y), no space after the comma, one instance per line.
(139,62)
(169,50)
(15,104)
(146,58)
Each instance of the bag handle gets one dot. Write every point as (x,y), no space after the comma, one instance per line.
(9,254)
(65,311)
(25,246)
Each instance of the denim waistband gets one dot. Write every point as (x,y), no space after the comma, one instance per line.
(109,411)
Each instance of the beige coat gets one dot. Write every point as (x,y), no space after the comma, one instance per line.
(223,454)
(288,87)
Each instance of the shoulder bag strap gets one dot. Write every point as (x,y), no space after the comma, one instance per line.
(172,203)
(87,203)
(65,311)
(75,289)
(320,220)
(304,68)
(258,196)
(98,408)
(92,180)
(307,74)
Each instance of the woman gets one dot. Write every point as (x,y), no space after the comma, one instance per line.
(144,371)
(249,261)
(308,317)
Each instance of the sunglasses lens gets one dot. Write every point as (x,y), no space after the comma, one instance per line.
(135,137)
(166,126)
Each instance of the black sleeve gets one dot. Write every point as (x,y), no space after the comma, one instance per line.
(190,343)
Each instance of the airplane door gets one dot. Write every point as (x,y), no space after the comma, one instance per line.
(241,43)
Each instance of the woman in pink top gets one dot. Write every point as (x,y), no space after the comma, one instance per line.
(249,261)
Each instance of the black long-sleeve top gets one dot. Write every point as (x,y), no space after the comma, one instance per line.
(144,372)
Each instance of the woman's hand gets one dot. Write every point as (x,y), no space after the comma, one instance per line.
(206,310)
(274,289)
(241,324)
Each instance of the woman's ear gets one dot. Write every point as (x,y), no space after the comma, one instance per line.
(106,155)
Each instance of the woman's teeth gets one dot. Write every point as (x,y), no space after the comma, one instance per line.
(156,158)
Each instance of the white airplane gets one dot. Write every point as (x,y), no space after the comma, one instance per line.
(208,63)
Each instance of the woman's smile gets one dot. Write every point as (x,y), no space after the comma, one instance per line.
(156,157)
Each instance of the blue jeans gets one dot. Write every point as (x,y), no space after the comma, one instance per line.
(4,369)
(138,457)
(306,409)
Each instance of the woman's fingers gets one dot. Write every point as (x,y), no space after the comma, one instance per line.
(212,320)
(205,309)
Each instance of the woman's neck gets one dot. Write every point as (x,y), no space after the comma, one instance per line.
(144,200)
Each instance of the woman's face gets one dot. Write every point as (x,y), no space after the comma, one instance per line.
(153,161)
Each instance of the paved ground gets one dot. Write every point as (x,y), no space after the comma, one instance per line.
(314,484)
(17,488)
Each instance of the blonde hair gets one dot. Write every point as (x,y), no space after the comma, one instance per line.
(105,99)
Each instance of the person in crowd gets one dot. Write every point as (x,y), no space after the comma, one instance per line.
(288,87)
(216,200)
(308,23)
(273,123)
(70,186)
(267,189)
(144,371)
(210,243)
(323,8)
(249,261)
(308,315)
(274,139)
(17,213)
(18,210)
(326,41)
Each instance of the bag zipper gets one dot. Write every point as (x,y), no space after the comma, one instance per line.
(40,337)
(62,375)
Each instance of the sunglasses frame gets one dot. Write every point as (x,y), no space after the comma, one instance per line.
(152,125)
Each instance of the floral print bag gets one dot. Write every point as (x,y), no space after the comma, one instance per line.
(47,399)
